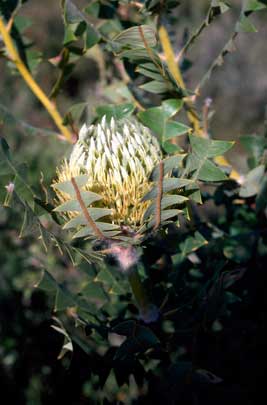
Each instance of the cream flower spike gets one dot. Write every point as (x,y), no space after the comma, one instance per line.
(118,157)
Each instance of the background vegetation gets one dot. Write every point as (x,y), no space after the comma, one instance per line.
(215,317)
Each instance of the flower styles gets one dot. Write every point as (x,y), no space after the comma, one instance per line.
(118,157)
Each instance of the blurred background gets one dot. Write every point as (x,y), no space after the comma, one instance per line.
(28,346)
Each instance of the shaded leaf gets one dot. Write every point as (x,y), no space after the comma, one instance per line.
(166,201)
(106,277)
(103,226)
(209,148)
(73,205)
(67,186)
(95,214)
(252,183)
(190,245)
(168,185)
(165,215)
(170,163)
(132,37)
(118,111)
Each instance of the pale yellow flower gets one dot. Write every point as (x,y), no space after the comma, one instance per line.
(118,158)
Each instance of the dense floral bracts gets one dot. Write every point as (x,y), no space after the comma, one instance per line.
(118,158)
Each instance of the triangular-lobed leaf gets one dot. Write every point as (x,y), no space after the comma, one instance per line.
(158,120)
(103,226)
(73,205)
(189,245)
(209,148)
(168,185)
(117,111)
(167,201)
(253,181)
(95,214)
(67,186)
(169,164)
(165,215)
(106,277)
(198,162)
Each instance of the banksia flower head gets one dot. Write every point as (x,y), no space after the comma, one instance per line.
(118,158)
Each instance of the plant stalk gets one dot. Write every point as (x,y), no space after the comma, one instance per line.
(191,113)
(49,106)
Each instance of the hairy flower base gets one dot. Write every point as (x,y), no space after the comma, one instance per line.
(118,159)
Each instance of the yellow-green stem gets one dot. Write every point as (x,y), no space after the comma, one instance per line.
(49,106)
(191,113)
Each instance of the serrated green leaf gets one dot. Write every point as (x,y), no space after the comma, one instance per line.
(92,36)
(157,119)
(94,292)
(174,129)
(254,146)
(170,147)
(189,245)
(154,119)
(67,186)
(166,201)
(63,299)
(245,25)
(168,185)
(252,183)
(198,162)
(95,214)
(209,148)
(254,5)
(165,215)
(173,162)
(93,9)
(74,113)
(106,277)
(103,226)
(69,35)
(193,192)
(210,172)
(171,107)
(116,111)
(73,205)
(47,282)
(76,24)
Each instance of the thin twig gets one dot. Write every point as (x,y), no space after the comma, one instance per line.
(159,196)
(189,105)
(206,22)
(86,214)
(50,107)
